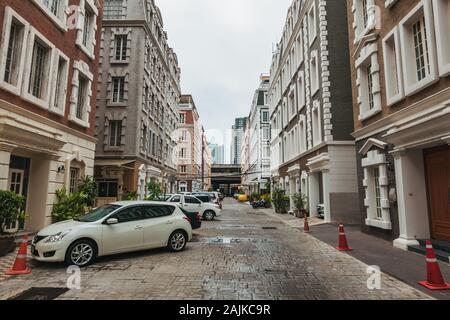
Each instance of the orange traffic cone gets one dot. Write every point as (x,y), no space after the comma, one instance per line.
(20,265)
(306,225)
(435,281)
(343,245)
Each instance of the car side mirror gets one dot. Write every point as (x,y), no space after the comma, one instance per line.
(112,221)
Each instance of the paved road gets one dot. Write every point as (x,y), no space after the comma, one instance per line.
(245,255)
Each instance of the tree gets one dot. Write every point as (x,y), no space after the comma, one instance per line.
(154,190)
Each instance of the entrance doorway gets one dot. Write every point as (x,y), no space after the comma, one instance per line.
(19,171)
(437,168)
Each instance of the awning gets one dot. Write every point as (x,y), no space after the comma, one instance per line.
(114,163)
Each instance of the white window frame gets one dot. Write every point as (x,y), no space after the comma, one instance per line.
(358,19)
(89,49)
(312,23)
(368,56)
(10,14)
(376,158)
(83,68)
(43,102)
(116,137)
(411,83)
(64,82)
(303,145)
(316,124)
(314,73)
(60,19)
(121,86)
(441,9)
(292,103)
(301,92)
(120,16)
(393,61)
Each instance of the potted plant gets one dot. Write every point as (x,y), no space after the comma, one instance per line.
(299,201)
(11,210)
(254,197)
(154,191)
(278,199)
(285,204)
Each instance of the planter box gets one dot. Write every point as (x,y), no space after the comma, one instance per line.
(7,245)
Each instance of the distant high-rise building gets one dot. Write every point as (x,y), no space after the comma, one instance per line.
(236,142)
(217,153)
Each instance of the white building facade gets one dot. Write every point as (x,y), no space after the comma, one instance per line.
(312,150)
(257,172)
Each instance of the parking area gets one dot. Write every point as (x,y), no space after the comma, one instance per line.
(244,255)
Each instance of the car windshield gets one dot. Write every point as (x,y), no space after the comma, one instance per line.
(99,213)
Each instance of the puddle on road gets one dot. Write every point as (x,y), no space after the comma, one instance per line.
(227,240)
(236,226)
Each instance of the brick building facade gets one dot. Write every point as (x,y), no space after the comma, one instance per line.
(401,96)
(48,80)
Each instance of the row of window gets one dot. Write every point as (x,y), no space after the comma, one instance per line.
(415,54)
(40,74)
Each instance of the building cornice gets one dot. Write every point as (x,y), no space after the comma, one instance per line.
(36,117)
(426,105)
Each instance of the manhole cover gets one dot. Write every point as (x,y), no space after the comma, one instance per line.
(40,294)
(269,228)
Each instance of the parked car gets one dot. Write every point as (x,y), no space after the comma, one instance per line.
(164,197)
(195,218)
(204,197)
(115,228)
(209,211)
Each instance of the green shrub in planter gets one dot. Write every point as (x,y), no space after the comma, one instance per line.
(130,196)
(285,204)
(254,197)
(278,195)
(88,186)
(300,202)
(11,208)
(267,198)
(69,205)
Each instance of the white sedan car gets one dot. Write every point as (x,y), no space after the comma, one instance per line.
(208,210)
(115,228)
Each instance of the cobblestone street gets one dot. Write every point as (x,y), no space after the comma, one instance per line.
(245,255)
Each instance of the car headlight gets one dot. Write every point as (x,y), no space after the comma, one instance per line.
(57,237)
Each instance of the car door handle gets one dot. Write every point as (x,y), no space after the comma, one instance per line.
(138,228)
(169,222)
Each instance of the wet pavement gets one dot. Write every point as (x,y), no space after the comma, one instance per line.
(246,255)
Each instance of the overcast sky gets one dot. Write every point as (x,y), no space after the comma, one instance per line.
(222,48)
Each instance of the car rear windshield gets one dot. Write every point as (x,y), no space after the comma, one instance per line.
(99,213)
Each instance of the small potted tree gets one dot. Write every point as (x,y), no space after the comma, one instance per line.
(285,203)
(299,201)
(278,199)
(11,210)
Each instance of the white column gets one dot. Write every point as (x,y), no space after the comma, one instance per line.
(313,189)
(326,194)
(411,197)
(5,158)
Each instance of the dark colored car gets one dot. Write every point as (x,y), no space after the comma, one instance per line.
(194,218)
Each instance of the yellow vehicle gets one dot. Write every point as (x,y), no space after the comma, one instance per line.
(243,198)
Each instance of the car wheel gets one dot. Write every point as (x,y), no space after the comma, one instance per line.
(177,241)
(81,253)
(209,215)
